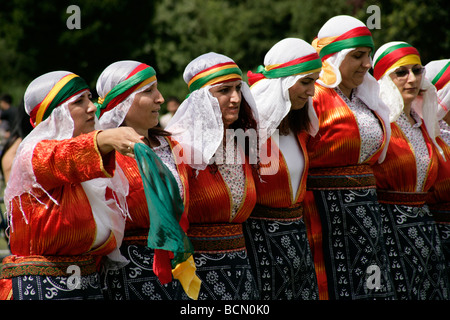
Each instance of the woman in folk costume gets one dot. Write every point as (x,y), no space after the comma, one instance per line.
(210,125)
(341,208)
(129,97)
(407,174)
(275,233)
(438,72)
(65,198)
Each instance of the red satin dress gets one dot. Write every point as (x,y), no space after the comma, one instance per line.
(398,171)
(217,235)
(275,190)
(439,196)
(58,235)
(337,179)
(146,265)
(439,201)
(411,234)
(276,233)
(138,224)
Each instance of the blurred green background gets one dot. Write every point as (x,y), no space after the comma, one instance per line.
(168,34)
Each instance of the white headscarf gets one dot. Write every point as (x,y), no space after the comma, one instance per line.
(443,94)
(425,105)
(108,214)
(369,90)
(272,95)
(335,27)
(114,74)
(197,125)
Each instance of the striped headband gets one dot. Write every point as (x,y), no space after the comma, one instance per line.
(442,78)
(222,72)
(64,89)
(356,37)
(395,56)
(304,65)
(142,75)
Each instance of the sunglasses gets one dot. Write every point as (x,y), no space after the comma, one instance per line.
(404,72)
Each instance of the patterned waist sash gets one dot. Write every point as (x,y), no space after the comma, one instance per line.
(413,199)
(350,177)
(217,237)
(136,237)
(55,266)
(263,212)
(441,212)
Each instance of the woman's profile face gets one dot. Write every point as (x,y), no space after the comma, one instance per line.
(229,96)
(408,78)
(302,90)
(355,66)
(144,112)
(82,111)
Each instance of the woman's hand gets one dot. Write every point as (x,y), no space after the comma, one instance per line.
(121,139)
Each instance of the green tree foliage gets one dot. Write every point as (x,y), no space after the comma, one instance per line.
(242,30)
(425,24)
(168,34)
(34,38)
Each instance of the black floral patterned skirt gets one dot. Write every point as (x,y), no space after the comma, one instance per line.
(225,276)
(281,258)
(416,252)
(52,277)
(222,262)
(441,214)
(36,287)
(354,251)
(137,281)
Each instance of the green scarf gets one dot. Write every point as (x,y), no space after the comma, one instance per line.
(165,205)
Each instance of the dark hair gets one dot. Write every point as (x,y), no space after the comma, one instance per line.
(245,122)
(6,97)
(154,132)
(173,98)
(21,128)
(158,131)
(296,121)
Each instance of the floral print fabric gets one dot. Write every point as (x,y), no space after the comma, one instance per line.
(353,243)
(281,259)
(415,137)
(415,253)
(370,130)
(232,172)
(164,152)
(225,276)
(137,281)
(37,287)
(445,131)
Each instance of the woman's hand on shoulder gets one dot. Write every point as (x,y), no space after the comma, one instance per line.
(121,139)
